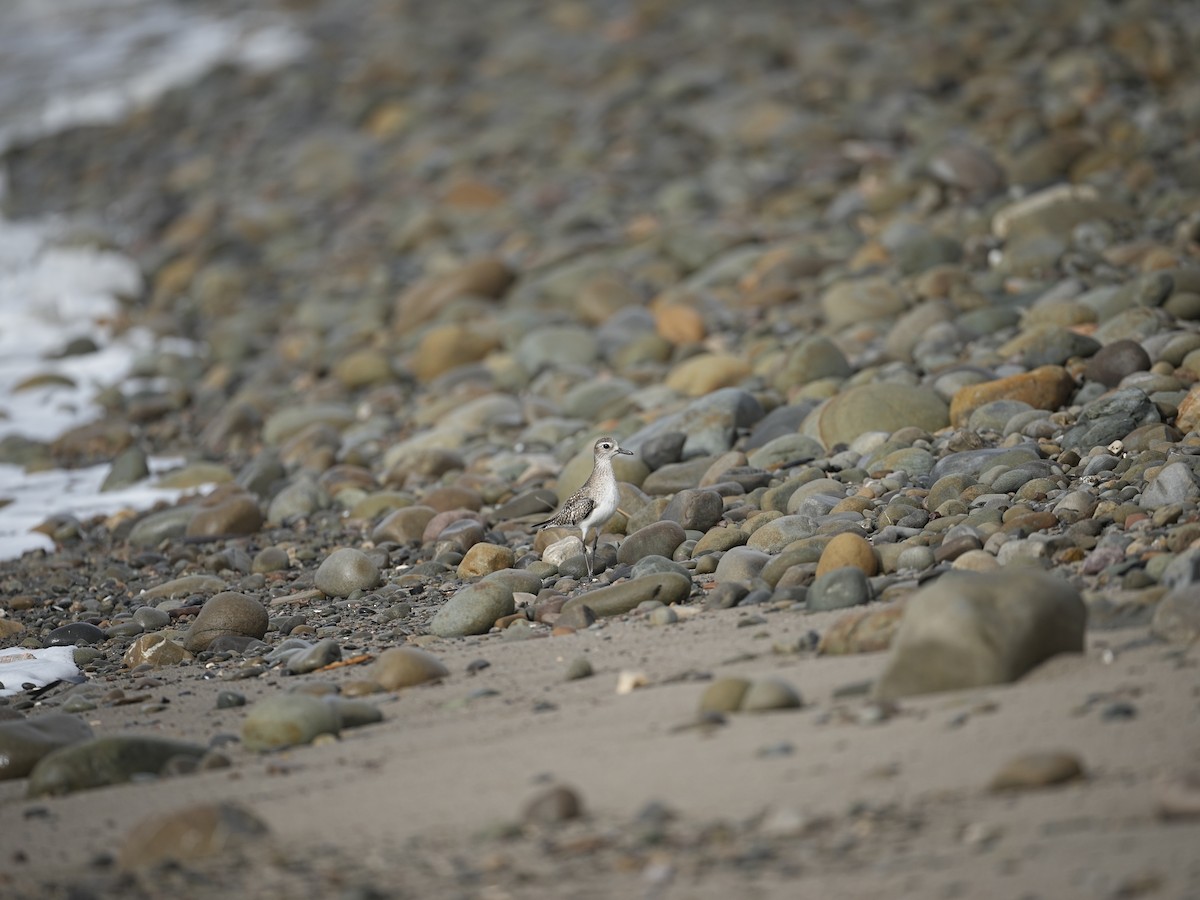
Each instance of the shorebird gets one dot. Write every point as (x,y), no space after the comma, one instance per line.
(595,502)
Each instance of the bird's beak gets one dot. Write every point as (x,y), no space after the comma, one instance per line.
(626,452)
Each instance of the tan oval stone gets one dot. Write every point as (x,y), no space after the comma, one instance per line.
(976,561)
(1036,770)
(447,347)
(483,559)
(707,372)
(8,628)
(487,277)
(848,549)
(363,367)
(1046,387)
(679,324)
(400,667)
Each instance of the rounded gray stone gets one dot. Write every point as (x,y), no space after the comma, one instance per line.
(918,558)
(345,571)
(555,346)
(777,534)
(160,526)
(711,423)
(300,498)
(995,415)
(787,449)
(813,357)
(151,618)
(309,659)
(291,420)
(1174,483)
(653,565)
(522,580)
(474,609)
(270,559)
(352,713)
(226,613)
(1116,360)
(741,565)
(839,589)
(695,509)
(656,539)
(128,468)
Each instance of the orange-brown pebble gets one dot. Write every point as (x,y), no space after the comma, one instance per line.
(848,549)
(1046,387)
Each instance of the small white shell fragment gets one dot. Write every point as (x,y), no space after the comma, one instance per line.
(629,681)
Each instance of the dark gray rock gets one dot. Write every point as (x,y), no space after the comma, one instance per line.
(102,761)
(1116,360)
(695,509)
(75,633)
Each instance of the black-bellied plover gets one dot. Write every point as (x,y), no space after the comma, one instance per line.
(595,502)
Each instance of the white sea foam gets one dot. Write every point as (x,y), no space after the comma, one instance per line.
(87,62)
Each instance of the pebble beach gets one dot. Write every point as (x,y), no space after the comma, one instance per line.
(897,306)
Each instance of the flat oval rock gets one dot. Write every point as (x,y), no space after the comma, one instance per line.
(399,667)
(101,761)
(74,633)
(1035,770)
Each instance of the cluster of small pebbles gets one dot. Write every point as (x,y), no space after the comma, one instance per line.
(898,307)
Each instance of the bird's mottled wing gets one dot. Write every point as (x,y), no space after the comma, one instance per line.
(575,510)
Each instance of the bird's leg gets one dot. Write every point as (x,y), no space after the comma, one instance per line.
(595,544)
(590,562)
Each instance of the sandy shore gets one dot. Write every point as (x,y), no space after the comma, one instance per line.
(847,806)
